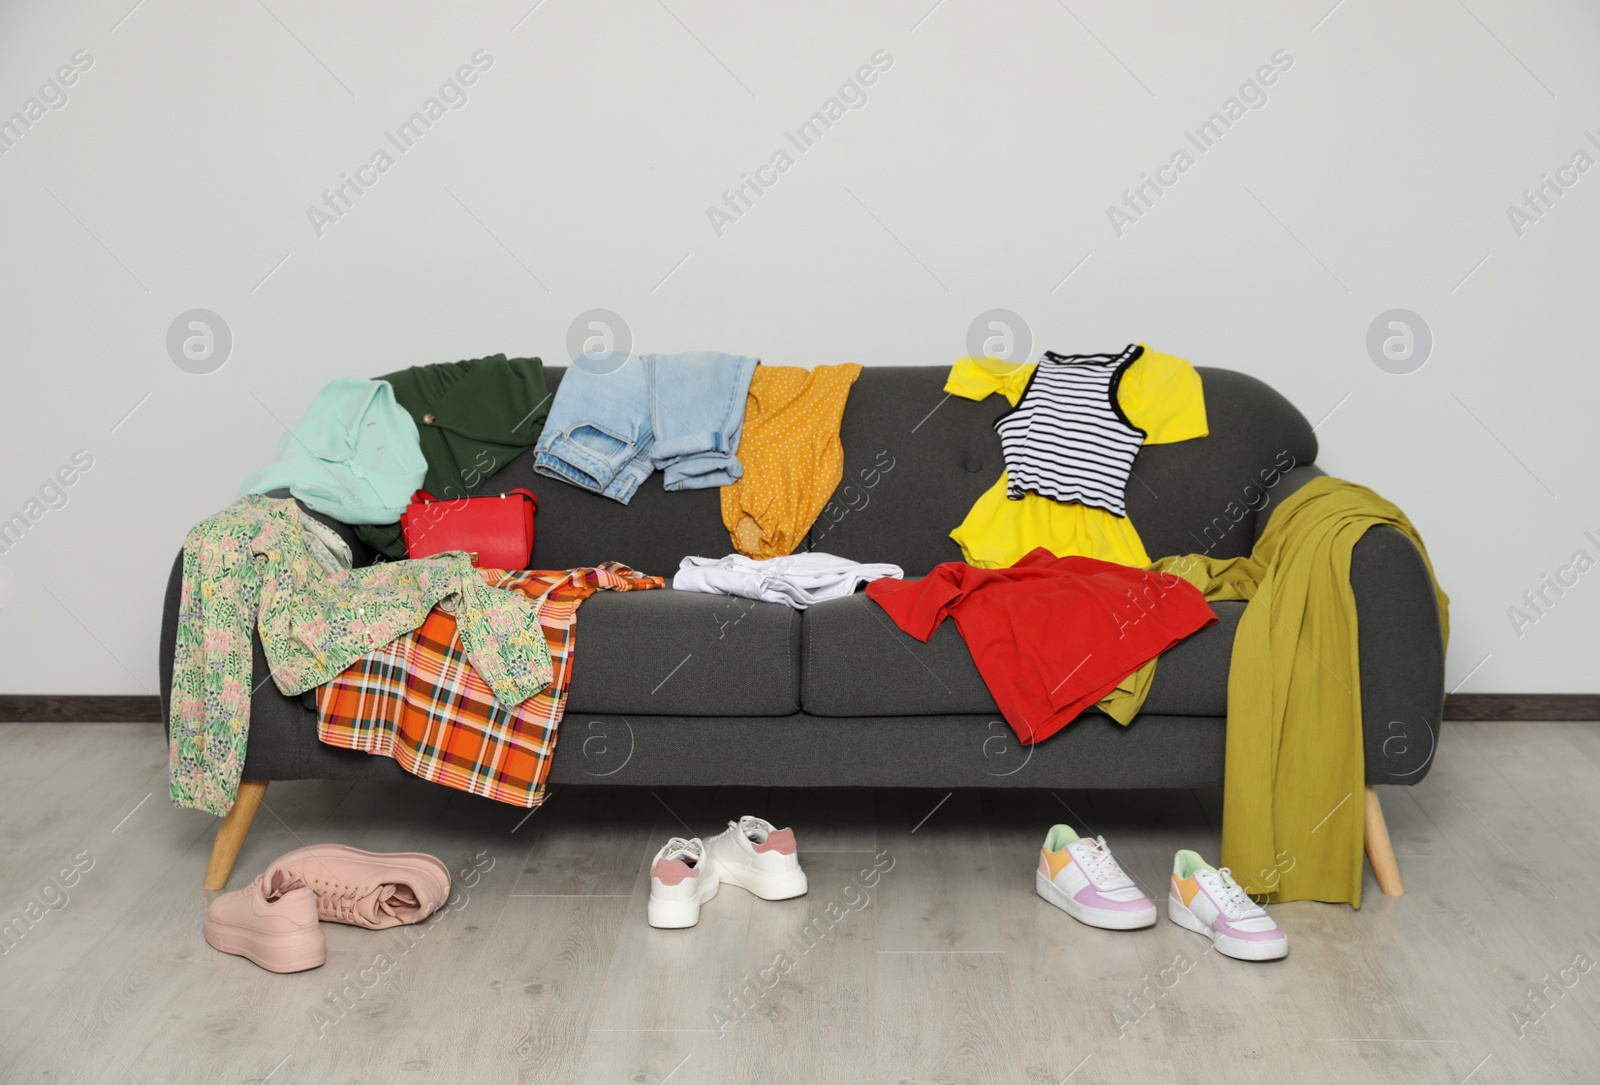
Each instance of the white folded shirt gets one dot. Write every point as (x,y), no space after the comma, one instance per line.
(799,580)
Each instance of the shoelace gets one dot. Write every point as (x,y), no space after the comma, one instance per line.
(1101,865)
(336,901)
(755,829)
(690,851)
(342,906)
(1235,901)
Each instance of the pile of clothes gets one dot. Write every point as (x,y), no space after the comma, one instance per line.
(461,674)
(1062,608)
(264,564)
(364,447)
(766,435)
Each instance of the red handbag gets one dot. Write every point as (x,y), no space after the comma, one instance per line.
(496,531)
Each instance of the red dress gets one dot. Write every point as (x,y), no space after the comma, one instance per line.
(1050,636)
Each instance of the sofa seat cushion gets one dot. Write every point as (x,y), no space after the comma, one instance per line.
(857,662)
(666,653)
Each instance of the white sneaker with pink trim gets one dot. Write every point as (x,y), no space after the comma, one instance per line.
(753,855)
(680,882)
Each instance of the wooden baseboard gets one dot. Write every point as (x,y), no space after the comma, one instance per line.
(25,708)
(1522,706)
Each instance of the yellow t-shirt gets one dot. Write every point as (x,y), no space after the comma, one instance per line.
(1161,394)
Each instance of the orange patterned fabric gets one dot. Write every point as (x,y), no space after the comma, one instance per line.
(419,701)
(791,453)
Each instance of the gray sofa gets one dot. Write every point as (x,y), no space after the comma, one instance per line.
(680,688)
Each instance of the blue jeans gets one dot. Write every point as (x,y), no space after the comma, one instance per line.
(607,432)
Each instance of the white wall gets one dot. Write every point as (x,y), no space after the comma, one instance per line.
(978,175)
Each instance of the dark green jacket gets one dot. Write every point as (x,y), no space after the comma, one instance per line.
(473,418)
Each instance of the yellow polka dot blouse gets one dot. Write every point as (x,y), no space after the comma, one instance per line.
(792,456)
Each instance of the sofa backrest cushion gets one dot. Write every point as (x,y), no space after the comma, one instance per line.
(915,461)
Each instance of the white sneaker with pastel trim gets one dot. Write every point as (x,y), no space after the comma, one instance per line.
(1208,901)
(1080,876)
(680,882)
(753,855)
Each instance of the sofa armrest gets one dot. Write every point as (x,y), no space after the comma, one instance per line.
(1402,657)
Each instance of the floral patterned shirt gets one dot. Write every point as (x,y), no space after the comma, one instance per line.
(259,563)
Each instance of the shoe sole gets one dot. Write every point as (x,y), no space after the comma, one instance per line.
(280,953)
(677,914)
(432,863)
(1236,948)
(1093,917)
(773,885)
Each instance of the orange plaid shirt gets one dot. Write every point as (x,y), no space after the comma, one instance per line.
(418,700)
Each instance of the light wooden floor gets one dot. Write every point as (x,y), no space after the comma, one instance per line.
(949,969)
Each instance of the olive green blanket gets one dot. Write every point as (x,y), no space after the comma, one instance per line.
(1293,803)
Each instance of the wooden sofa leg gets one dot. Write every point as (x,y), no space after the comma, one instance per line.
(1379,849)
(231,831)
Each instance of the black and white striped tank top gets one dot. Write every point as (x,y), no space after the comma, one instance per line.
(1067,437)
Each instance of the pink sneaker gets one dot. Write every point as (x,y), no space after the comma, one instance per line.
(368,888)
(272,921)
